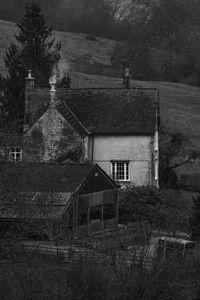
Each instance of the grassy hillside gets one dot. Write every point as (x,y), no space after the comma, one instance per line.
(180,104)
(79,52)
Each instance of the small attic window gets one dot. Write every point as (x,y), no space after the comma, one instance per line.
(15,154)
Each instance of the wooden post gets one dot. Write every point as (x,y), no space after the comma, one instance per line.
(76,213)
(117,208)
(102,220)
(88,220)
(74,206)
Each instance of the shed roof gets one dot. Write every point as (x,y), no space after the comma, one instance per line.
(106,111)
(37,177)
(42,190)
(34,205)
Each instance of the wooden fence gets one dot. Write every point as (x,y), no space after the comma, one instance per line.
(73,255)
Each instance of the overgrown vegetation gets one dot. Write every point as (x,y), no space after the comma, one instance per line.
(160,37)
(174,152)
(154,207)
(34,50)
(123,273)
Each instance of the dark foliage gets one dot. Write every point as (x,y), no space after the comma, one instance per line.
(172,155)
(167,18)
(156,207)
(171,26)
(34,276)
(34,50)
(138,56)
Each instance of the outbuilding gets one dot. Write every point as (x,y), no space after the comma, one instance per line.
(69,199)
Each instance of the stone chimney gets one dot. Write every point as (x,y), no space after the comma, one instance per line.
(127,77)
(29,98)
(52,94)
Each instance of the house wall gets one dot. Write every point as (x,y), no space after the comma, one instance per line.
(51,138)
(138,150)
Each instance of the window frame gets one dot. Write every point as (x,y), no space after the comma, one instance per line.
(13,154)
(126,170)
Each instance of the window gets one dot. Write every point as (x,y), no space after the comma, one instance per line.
(15,154)
(108,211)
(120,170)
(95,214)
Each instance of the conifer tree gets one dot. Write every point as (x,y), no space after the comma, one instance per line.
(35,50)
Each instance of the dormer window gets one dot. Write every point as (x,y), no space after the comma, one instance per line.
(15,154)
(120,170)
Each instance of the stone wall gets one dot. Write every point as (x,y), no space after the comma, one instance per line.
(52,138)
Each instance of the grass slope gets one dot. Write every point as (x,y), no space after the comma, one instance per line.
(78,52)
(180,104)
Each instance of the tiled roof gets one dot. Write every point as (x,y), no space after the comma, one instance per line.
(10,139)
(34,205)
(107,111)
(40,177)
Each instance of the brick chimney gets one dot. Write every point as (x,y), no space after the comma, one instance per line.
(126,73)
(127,77)
(52,94)
(29,97)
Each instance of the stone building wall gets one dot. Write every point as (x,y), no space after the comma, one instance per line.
(51,138)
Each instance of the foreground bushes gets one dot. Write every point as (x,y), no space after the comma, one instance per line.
(121,275)
(161,209)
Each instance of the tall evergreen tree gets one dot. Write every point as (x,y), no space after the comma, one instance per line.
(35,50)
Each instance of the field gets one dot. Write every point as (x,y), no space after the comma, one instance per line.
(89,63)
(79,52)
(179,103)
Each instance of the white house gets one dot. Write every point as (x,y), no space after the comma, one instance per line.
(122,131)
(115,128)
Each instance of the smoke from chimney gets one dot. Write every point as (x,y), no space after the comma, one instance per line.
(59,70)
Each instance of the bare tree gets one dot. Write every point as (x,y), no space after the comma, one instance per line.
(174,152)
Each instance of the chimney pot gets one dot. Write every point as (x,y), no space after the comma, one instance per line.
(53,84)
(127,72)
(29,87)
(29,74)
(127,77)
(29,77)
(52,93)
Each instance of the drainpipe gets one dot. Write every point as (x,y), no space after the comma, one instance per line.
(92,149)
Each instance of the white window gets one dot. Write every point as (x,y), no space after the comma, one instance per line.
(15,154)
(120,170)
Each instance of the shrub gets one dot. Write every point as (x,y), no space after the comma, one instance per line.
(91,37)
(163,209)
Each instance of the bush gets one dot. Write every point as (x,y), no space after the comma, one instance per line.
(164,209)
(127,277)
(91,37)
